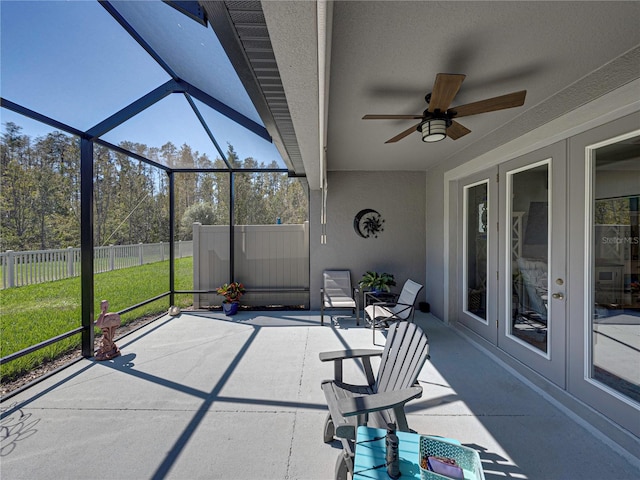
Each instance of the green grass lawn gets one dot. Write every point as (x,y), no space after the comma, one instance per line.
(35,313)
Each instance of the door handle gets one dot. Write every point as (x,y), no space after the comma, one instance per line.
(558,296)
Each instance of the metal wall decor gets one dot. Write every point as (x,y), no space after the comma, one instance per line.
(368,223)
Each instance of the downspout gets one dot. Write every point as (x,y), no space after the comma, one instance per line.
(324,24)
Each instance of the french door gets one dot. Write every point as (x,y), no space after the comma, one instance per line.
(532,267)
(513,264)
(548,258)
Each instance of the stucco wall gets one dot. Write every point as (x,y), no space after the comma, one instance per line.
(435,266)
(399,197)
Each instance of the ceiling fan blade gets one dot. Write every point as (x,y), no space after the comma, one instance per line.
(509,100)
(391,117)
(403,134)
(444,91)
(455,130)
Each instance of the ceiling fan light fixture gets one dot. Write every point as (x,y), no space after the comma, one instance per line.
(434,130)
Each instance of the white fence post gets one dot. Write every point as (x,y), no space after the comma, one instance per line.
(11,268)
(70,265)
(112,257)
(140,255)
(162,251)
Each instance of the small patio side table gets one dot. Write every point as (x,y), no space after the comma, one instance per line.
(371,452)
(370,297)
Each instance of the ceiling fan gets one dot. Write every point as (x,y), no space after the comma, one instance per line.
(437,121)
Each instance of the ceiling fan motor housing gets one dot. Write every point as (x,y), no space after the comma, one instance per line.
(438,115)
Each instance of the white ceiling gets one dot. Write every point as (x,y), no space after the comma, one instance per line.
(384,56)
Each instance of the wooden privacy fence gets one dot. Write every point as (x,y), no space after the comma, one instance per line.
(272,261)
(37,266)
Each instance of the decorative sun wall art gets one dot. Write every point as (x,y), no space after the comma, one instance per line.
(368,223)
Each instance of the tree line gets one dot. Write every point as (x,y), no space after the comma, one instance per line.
(40,192)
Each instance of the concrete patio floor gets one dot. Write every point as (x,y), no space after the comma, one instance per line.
(202,395)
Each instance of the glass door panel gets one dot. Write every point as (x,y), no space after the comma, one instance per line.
(478,251)
(475,251)
(529,241)
(615,267)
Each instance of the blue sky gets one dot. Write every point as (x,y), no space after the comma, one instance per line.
(71,60)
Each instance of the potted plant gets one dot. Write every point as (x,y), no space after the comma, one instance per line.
(231,293)
(377,282)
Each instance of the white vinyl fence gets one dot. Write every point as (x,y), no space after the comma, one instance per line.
(272,261)
(37,266)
